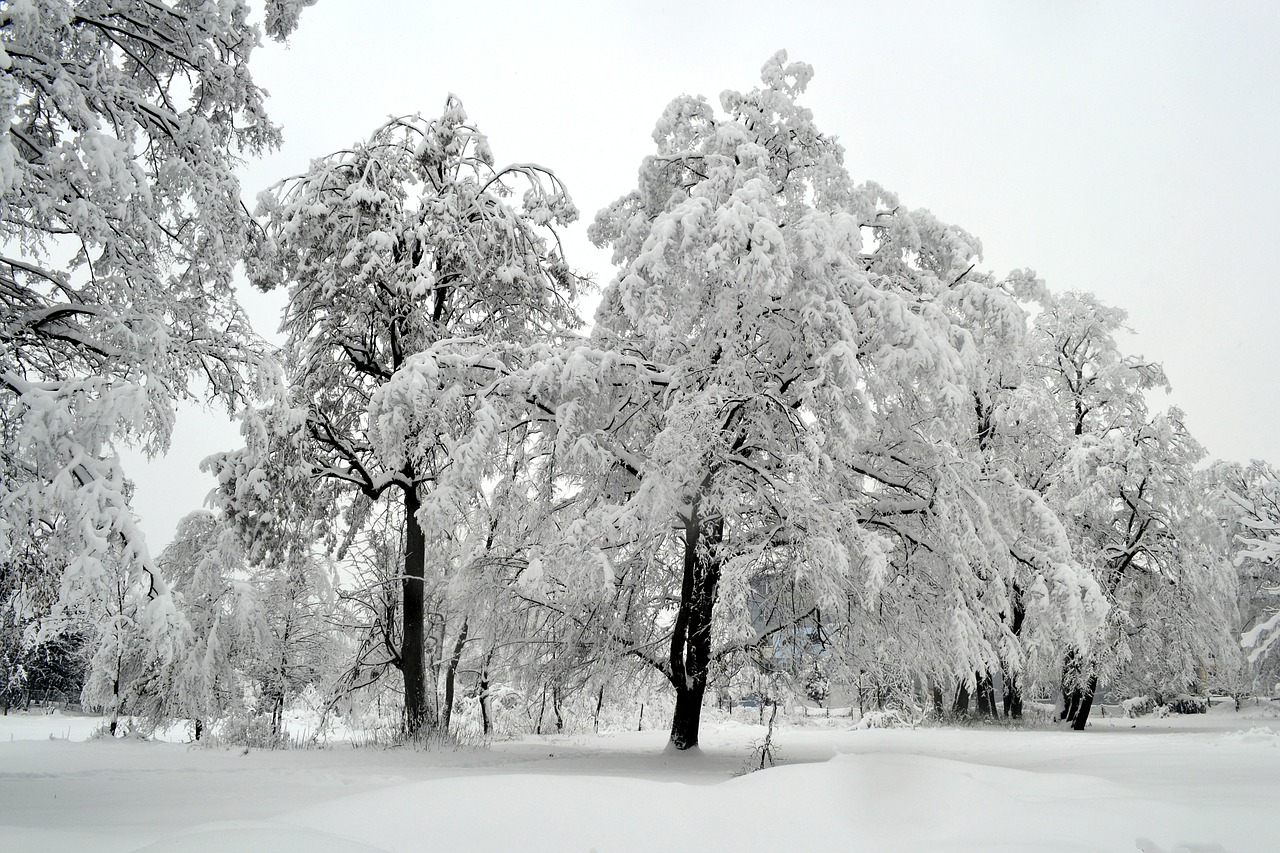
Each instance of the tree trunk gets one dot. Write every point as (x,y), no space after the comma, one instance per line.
(961,704)
(411,650)
(1070,702)
(687,718)
(1012,698)
(486,721)
(691,636)
(986,695)
(115,695)
(1012,680)
(199,729)
(450,674)
(1070,677)
(277,714)
(1085,703)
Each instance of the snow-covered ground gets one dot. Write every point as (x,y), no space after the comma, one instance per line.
(1202,783)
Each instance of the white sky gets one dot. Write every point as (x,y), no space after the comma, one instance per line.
(1130,149)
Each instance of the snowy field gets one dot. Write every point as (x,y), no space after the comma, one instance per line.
(1200,783)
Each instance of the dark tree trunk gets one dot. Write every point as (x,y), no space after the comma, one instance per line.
(936,691)
(450,675)
(486,722)
(115,697)
(1070,703)
(1012,698)
(199,729)
(961,704)
(1085,703)
(691,636)
(277,714)
(1012,680)
(986,695)
(599,706)
(1070,680)
(411,651)
(687,719)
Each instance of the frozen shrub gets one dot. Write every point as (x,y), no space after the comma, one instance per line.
(1138,706)
(1186,704)
(891,719)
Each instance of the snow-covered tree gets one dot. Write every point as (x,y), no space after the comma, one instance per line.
(299,650)
(768,389)
(121,126)
(1253,494)
(1121,479)
(388,248)
(205,678)
(123,657)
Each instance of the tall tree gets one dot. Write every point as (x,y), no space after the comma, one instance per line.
(388,248)
(758,402)
(1121,478)
(207,676)
(122,123)
(1253,492)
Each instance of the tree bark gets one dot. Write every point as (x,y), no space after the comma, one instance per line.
(986,695)
(411,650)
(277,714)
(115,696)
(691,637)
(1012,698)
(1085,703)
(1073,685)
(1012,680)
(451,673)
(961,704)
(486,721)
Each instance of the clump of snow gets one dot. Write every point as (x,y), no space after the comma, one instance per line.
(1259,735)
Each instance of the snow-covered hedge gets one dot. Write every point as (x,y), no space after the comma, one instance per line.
(1184,703)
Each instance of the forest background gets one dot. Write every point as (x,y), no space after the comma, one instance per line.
(1067,525)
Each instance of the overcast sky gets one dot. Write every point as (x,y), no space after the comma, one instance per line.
(1129,149)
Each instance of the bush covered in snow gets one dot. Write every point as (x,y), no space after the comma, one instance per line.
(1138,706)
(1184,703)
(890,719)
